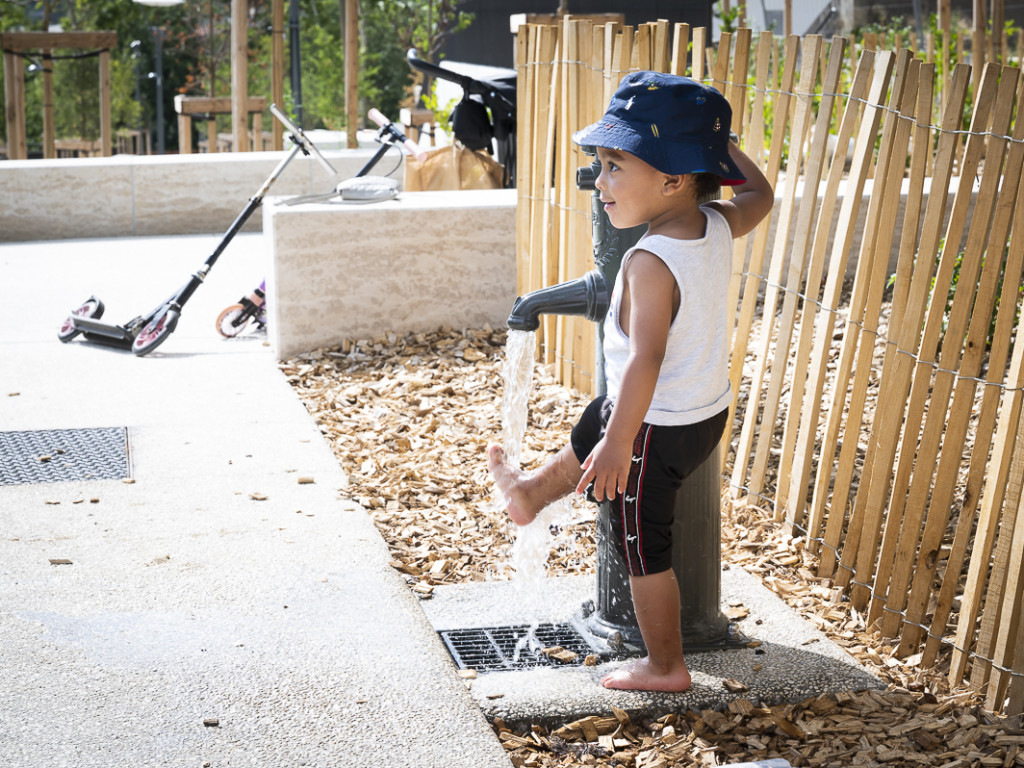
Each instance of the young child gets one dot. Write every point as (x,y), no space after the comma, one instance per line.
(664,146)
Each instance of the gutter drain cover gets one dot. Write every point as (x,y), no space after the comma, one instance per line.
(61,455)
(493,649)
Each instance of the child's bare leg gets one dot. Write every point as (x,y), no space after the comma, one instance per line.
(527,493)
(656,602)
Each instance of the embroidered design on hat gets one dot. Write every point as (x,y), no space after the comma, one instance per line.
(630,102)
(724,167)
(654,130)
(718,124)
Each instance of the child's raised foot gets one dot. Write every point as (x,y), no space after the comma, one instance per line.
(509,482)
(639,675)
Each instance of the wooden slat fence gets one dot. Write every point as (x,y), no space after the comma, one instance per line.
(878,369)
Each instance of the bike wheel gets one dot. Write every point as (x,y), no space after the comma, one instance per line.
(232,321)
(155,332)
(91,307)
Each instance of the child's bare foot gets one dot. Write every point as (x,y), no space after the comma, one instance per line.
(639,675)
(509,482)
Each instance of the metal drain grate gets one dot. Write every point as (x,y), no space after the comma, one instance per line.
(62,455)
(492,649)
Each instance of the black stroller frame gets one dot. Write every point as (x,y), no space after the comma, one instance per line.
(487,110)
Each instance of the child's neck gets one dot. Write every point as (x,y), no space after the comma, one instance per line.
(682,222)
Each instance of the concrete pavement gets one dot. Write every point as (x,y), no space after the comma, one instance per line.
(214,611)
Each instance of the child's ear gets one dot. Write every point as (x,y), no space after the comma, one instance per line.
(675,183)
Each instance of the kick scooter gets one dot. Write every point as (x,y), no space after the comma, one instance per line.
(145,333)
(252,308)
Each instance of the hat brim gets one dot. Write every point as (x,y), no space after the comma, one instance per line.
(666,156)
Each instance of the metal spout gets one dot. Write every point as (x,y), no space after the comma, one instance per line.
(587,296)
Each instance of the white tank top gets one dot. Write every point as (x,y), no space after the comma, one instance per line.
(693,383)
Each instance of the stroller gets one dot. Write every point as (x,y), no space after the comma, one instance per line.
(487,112)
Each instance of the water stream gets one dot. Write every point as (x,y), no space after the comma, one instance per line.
(532,542)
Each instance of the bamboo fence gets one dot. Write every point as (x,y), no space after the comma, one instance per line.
(878,370)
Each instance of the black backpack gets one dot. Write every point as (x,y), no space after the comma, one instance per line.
(471,124)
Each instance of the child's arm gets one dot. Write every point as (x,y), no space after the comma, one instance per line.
(609,463)
(751,201)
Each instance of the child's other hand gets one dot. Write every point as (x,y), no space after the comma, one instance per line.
(607,467)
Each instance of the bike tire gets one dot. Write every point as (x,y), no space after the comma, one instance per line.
(226,319)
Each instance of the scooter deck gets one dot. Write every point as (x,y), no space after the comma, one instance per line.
(108,333)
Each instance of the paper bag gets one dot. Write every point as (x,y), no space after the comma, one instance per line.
(453,167)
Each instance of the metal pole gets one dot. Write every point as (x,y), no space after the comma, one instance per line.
(158,34)
(295,61)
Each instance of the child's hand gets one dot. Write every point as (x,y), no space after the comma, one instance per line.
(607,467)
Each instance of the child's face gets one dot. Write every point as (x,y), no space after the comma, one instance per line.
(630,188)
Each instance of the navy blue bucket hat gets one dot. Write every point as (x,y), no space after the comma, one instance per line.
(672,123)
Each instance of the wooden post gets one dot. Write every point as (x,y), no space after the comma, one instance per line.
(352,73)
(680,43)
(944,17)
(771,171)
(106,117)
(49,127)
(816,165)
(13,118)
(184,134)
(700,41)
(998,34)
(277,68)
(14,100)
(239,75)
(978,46)
(867,133)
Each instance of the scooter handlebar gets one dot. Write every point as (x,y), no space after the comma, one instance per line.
(412,147)
(300,138)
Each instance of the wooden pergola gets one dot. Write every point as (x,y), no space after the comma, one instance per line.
(15,46)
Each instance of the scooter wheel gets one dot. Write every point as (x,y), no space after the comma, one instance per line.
(91,307)
(155,332)
(232,321)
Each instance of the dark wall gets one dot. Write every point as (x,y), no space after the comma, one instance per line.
(867,11)
(488,39)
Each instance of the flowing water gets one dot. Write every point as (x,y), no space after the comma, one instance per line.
(533,542)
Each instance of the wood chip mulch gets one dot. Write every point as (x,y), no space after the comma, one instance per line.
(409,419)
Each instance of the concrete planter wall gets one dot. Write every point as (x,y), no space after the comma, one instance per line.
(133,195)
(422,261)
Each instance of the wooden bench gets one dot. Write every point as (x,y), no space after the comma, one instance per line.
(206,107)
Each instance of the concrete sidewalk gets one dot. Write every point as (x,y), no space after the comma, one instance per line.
(214,610)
